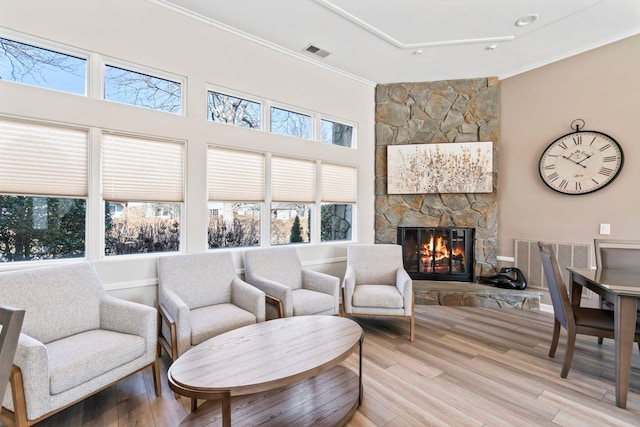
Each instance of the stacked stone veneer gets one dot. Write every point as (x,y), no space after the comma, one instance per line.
(438,112)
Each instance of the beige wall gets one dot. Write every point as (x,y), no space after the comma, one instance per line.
(148,34)
(602,87)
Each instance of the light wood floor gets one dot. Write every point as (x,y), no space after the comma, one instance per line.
(467,367)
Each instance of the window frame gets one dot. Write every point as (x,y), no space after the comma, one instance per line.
(106,61)
(313,118)
(240,95)
(354,129)
(56,47)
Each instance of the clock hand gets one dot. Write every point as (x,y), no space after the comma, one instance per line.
(571,160)
(584,160)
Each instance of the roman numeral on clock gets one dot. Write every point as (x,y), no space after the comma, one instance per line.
(605,171)
(554,176)
(610,158)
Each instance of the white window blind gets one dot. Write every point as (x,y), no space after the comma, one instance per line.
(142,170)
(42,160)
(293,180)
(338,183)
(234,175)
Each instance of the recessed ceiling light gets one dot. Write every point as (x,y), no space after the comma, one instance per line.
(491,47)
(526,20)
(417,52)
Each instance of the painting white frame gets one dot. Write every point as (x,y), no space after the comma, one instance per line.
(464,167)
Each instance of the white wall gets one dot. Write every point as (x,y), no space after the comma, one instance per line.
(142,32)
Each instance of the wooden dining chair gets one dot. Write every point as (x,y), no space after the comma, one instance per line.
(576,320)
(616,254)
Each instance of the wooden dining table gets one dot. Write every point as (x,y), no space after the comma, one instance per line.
(622,288)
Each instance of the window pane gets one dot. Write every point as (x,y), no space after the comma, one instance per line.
(32,65)
(336,133)
(235,111)
(134,88)
(336,222)
(290,223)
(233,225)
(37,228)
(289,123)
(139,228)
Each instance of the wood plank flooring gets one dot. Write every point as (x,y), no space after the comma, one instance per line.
(467,367)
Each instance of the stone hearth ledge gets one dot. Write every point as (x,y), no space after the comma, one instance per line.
(464,294)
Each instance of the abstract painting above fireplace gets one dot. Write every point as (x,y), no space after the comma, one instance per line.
(438,253)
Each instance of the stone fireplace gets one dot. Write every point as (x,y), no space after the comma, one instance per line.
(437,253)
(438,112)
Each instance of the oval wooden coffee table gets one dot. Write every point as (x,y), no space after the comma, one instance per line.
(286,370)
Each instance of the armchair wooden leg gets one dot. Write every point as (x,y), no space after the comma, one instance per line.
(19,401)
(157,384)
(413,327)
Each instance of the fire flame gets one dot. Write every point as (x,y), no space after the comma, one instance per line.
(429,251)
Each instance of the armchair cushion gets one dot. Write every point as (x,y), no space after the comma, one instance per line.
(207,322)
(306,302)
(70,364)
(381,296)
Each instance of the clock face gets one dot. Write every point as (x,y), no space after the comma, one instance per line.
(581,162)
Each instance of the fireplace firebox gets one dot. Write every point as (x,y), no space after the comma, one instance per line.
(437,253)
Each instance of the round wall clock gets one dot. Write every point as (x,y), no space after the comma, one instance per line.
(581,162)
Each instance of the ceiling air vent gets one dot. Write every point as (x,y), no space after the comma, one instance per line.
(317,51)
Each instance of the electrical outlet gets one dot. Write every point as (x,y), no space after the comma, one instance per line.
(605,229)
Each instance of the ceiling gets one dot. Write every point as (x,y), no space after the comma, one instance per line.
(384,41)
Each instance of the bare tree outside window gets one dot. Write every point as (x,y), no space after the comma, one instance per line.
(336,221)
(235,111)
(140,89)
(290,123)
(24,63)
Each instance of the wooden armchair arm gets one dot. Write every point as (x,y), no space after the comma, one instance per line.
(278,303)
(172,349)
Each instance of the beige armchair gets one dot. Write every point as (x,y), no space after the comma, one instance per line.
(200,297)
(291,290)
(376,283)
(76,340)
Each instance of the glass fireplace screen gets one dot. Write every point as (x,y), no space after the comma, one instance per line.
(440,253)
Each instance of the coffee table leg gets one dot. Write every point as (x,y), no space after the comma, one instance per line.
(360,374)
(226,410)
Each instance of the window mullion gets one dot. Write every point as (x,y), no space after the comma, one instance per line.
(265,220)
(95,205)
